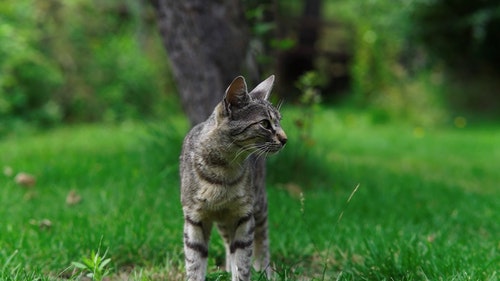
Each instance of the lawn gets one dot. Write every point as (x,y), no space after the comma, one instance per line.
(351,200)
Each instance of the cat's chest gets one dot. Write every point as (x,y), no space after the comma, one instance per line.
(224,196)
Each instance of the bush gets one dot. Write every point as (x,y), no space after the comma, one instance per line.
(462,33)
(57,65)
(463,36)
(390,74)
(28,78)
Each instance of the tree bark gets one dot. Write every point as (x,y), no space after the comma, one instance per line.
(206,42)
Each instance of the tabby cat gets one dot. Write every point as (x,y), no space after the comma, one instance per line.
(222,180)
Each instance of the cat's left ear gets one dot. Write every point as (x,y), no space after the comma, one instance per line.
(236,95)
(263,90)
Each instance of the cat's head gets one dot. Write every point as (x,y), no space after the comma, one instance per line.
(250,120)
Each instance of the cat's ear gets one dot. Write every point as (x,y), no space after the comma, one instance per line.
(236,94)
(263,90)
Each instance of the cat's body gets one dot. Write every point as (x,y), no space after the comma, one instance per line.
(222,180)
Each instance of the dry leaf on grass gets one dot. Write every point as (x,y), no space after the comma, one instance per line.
(44,224)
(73,198)
(25,179)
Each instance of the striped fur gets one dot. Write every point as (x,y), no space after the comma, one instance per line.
(222,180)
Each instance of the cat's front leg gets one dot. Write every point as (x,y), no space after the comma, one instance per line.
(196,237)
(261,257)
(261,245)
(241,249)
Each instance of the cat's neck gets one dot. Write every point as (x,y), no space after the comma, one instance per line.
(217,149)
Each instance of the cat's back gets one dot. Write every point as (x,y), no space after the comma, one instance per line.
(192,141)
(191,148)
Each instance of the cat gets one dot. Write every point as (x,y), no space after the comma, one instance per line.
(222,180)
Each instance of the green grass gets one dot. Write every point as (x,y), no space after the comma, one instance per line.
(426,207)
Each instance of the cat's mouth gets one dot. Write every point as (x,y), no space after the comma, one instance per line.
(279,142)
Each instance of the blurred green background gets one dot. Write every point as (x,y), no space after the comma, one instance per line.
(421,61)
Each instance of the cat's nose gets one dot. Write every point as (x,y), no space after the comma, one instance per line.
(282,137)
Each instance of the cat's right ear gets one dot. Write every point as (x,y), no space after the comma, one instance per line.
(236,94)
(263,90)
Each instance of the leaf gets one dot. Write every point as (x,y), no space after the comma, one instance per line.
(73,198)
(263,28)
(79,265)
(44,224)
(25,179)
(283,44)
(104,263)
(96,257)
(88,262)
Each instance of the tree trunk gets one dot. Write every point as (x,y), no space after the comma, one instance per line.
(207,44)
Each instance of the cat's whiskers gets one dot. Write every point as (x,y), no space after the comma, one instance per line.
(258,150)
(247,148)
(280,103)
(227,149)
(263,150)
(259,154)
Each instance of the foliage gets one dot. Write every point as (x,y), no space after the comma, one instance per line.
(27,77)
(310,99)
(443,25)
(391,76)
(94,266)
(299,128)
(414,57)
(401,53)
(463,36)
(57,65)
(265,44)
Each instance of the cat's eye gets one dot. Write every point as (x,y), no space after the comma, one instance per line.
(265,124)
